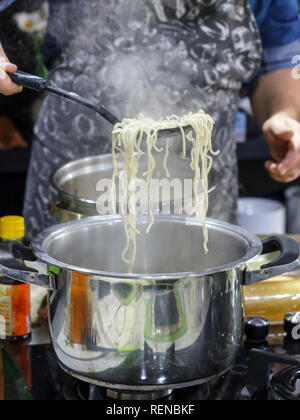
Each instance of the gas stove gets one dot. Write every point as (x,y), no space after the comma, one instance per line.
(268,367)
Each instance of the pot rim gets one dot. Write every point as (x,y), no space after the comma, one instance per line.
(40,242)
(55,185)
(77,198)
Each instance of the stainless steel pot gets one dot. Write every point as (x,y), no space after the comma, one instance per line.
(175,322)
(76,182)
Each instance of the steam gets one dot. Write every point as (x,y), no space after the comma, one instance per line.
(132,57)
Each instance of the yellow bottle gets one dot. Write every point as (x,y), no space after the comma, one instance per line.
(14,296)
(276,297)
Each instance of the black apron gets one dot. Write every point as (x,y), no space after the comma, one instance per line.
(160,56)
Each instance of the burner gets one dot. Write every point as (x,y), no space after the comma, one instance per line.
(76,390)
(285,385)
(139,396)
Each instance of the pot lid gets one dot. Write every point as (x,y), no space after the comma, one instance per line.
(172,250)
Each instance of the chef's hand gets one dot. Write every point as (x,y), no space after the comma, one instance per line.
(283,136)
(7,87)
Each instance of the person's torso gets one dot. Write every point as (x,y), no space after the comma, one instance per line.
(156,57)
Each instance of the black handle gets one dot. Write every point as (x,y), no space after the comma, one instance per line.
(12,268)
(289,250)
(8,260)
(38,84)
(288,260)
(22,252)
(30,81)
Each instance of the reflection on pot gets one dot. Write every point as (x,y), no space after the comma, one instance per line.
(149,333)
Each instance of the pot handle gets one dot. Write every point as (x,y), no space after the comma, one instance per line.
(288,260)
(12,268)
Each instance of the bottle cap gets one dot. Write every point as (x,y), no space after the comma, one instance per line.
(257,329)
(12,228)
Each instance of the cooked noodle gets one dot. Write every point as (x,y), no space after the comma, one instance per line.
(128,137)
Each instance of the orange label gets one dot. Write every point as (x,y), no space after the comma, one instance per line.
(14,310)
(78,308)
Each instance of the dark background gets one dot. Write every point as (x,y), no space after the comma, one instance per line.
(13,164)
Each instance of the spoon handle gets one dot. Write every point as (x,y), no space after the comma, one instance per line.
(41,85)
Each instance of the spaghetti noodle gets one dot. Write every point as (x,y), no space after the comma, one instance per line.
(128,138)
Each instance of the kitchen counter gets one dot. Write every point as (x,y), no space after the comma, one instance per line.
(29,371)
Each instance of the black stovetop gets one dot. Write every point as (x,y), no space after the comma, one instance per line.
(30,372)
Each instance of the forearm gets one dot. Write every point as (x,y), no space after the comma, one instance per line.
(278,92)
